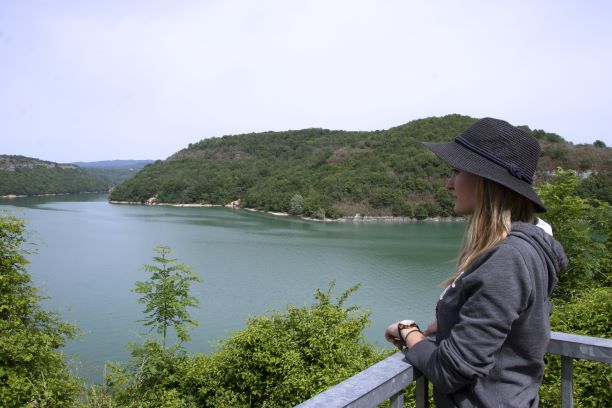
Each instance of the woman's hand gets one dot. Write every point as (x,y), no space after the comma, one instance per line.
(391,335)
(431,329)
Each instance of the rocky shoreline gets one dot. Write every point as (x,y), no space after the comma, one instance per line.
(164,204)
(13,196)
(357,218)
(391,219)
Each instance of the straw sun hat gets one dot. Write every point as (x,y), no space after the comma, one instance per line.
(496,150)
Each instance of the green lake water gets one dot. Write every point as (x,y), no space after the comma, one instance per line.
(89,253)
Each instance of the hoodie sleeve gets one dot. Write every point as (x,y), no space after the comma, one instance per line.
(489,299)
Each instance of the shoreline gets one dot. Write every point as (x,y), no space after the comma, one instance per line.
(13,196)
(163,204)
(393,219)
(357,218)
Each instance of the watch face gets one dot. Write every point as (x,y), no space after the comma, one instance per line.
(407,322)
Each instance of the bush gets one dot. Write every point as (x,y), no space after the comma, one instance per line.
(583,227)
(588,314)
(151,378)
(281,360)
(33,371)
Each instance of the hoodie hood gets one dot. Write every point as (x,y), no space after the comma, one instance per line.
(549,249)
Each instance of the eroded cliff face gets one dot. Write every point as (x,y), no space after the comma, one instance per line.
(12,163)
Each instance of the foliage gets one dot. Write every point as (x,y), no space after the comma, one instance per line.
(166,295)
(26,176)
(296,204)
(283,359)
(32,369)
(582,224)
(598,185)
(153,377)
(278,360)
(588,314)
(386,172)
(599,143)
(542,135)
(583,227)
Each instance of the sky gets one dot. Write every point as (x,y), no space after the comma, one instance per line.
(129,79)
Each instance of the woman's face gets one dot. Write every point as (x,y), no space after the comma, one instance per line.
(462,185)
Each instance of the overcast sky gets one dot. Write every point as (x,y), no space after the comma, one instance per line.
(128,79)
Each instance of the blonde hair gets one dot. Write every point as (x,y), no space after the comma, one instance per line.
(497,207)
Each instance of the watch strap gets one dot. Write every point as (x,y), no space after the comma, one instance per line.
(411,329)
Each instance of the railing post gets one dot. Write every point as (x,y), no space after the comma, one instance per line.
(567,382)
(422,389)
(397,400)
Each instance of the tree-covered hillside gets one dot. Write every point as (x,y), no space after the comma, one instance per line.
(318,172)
(21,175)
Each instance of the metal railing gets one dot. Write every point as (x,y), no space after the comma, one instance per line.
(387,379)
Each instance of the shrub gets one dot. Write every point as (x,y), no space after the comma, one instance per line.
(283,359)
(583,227)
(151,378)
(588,314)
(33,371)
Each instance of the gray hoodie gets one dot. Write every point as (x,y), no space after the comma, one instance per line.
(494,325)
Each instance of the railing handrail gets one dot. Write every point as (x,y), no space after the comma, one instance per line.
(390,376)
(369,387)
(579,346)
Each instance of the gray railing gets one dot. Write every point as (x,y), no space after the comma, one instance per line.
(387,379)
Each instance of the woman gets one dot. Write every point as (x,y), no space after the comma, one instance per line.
(492,321)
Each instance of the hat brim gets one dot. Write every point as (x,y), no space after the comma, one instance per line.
(461,158)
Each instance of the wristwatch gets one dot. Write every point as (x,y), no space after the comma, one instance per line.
(407,324)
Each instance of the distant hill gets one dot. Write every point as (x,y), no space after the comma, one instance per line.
(115,164)
(20,175)
(333,172)
(113,172)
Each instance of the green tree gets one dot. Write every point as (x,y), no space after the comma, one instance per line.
(296,204)
(33,371)
(583,227)
(166,295)
(599,143)
(151,377)
(282,359)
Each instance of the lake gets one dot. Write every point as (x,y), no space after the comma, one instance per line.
(89,253)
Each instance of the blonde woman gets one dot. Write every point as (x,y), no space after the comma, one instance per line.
(492,321)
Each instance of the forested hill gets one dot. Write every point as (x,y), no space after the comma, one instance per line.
(20,175)
(113,172)
(317,171)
